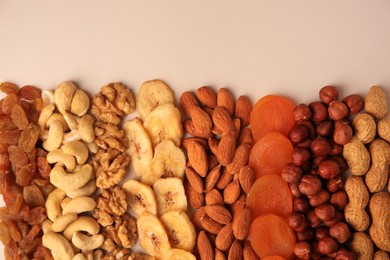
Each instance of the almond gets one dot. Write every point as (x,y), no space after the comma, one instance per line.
(222,120)
(240,158)
(188,100)
(224,180)
(214,197)
(243,110)
(235,251)
(242,223)
(213,145)
(194,199)
(194,139)
(246,178)
(194,179)
(212,178)
(206,251)
(231,192)
(197,217)
(226,148)
(237,126)
(248,252)
(213,161)
(225,237)
(201,120)
(207,96)
(198,158)
(190,128)
(245,136)
(219,255)
(218,213)
(211,225)
(239,205)
(225,99)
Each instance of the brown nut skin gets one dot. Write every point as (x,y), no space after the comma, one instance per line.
(328,169)
(294,190)
(302,250)
(327,245)
(320,147)
(335,184)
(321,197)
(310,128)
(338,216)
(322,232)
(319,110)
(297,221)
(337,110)
(343,254)
(339,199)
(354,102)
(291,173)
(340,231)
(324,128)
(335,149)
(300,205)
(305,235)
(312,219)
(342,134)
(302,112)
(343,166)
(309,185)
(298,133)
(300,156)
(324,211)
(328,94)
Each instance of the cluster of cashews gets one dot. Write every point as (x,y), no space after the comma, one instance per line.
(68,136)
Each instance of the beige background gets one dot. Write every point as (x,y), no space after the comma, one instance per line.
(254,47)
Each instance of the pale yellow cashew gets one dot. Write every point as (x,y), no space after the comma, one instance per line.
(92,147)
(47,225)
(65,202)
(63,221)
(83,223)
(71,120)
(58,245)
(76,149)
(87,190)
(59,117)
(58,156)
(54,136)
(80,103)
(53,204)
(72,181)
(47,97)
(79,205)
(79,256)
(86,128)
(63,96)
(87,243)
(44,116)
(73,135)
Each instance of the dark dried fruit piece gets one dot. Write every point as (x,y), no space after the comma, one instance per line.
(31,111)
(25,175)
(30,92)
(29,137)
(19,117)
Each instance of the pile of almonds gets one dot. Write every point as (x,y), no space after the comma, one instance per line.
(217,175)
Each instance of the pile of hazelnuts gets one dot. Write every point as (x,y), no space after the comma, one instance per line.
(315,175)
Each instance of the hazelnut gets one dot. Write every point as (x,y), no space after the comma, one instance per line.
(324,128)
(315,252)
(305,235)
(319,110)
(302,112)
(338,216)
(339,199)
(335,183)
(328,169)
(324,211)
(319,198)
(302,250)
(343,166)
(328,94)
(300,205)
(327,245)
(343,254)
(355,103)
(291,173)
(340,232)
(300,156)
(310,185)
(294,190)
(304,144)
(310,128)
(298,133)
(320,147)
(322,232)
(337,110)
(312,219)
(297,221)
(317,160)
(335,148)
(342,134)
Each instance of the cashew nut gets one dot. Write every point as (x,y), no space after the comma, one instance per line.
(86,190)
(63,221)
(79,256)
(86,128)
(71,120)
(77,149)
(92,147)
(53,204)
(59,117)
(72,181)
(58,245)
(58,156)
(63,95)
(80,103)
(45,114)
(79,205)
(47,97)
(65,202)
(83,223)
(73,135)
(85,242)
(54,136)
(47,225)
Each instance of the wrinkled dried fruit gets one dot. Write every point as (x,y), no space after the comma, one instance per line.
(19,117)
(29,137)
(30,92)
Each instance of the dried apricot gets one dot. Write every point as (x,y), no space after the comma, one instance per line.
(270,235)
(30,92)
(273,257)
(270,194)
(270,154)
(272,113)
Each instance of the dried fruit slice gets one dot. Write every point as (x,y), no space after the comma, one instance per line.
(178,254)
(170,195)
(152,234)
(270,194)
(272,113)
(270,154)
(270,235)
(140,197)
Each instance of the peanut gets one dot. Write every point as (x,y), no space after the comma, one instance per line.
(381,255)
(357,156)
(362,245)
(380,212)
(375,102)
(365,127)
(377,176)
(354,211)
(384,129)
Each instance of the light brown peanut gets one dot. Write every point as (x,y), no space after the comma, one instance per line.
(365,127)
(362,245)
(357,156)
(381,255)
(354,211)
(377,177)
(384,129)
(380,212)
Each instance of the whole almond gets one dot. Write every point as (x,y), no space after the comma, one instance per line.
(243,110)
(218,213)
(225,237)
(201,120)
(212,178)
(188,100)
(198,158)
(207,96)
(214,197)
(237,126)
(206,251)
(222,120)
(245,136)
(211,225)
(226,148)
(224,180)
(213,145)
(248,252)
(232,192)
(194,179)
(209,111)
(215,130)
(240,158)
(190,128)
(219,255)
(239,205)
(246,178)
(213,161)
(194,139)
(235,251)
(242,223)
(225,99)
(194,199)
(197,217)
